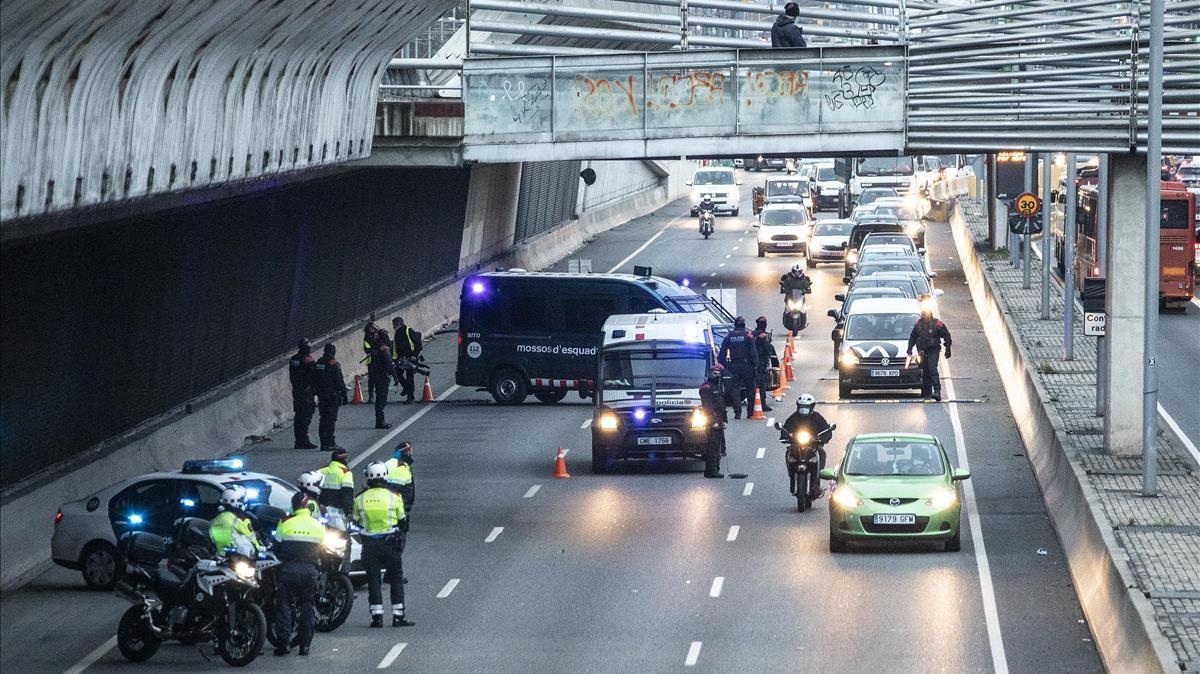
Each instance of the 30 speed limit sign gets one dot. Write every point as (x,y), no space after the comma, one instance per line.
(1028,204)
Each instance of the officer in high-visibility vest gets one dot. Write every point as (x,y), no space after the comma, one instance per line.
(380,513)
(231,530)
(310,485)
(400,476)
(337,489)
(300,537)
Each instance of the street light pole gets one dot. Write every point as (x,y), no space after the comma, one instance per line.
(1030,162)
(1069,261)
(1102,263)
(1047,253)
(1153,225)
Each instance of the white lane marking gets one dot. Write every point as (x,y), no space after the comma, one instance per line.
(705,284)
(721,265)
(733,533)
(729,256)
(991,615)
(91,658)
(400,429)
(736,247)
(391,656)
(717,584)
(770,422)
(532,490)
(1196,301)
(1187,442)
(644,246)
(492,536)
(448,588)
(760,453)
(693,654)
(749,488)
(586,422)
(713,274)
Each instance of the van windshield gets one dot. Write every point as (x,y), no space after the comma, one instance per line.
(885,166)
(658,368)
(787,188)
(713,178)
(783,217)
(879,327)
(826,173)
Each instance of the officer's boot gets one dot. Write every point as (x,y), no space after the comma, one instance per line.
(398,618)
(376,615)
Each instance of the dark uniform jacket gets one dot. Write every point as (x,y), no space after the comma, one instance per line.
(790,281)
(381,364)
(763,348)
(712,398)
(407,343)
(813,422)
(302,373)
(330,385)
(738,348)
(927,335)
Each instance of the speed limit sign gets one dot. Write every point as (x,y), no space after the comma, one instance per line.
(1027,204)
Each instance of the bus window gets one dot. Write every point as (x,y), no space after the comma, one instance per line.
(1174,214)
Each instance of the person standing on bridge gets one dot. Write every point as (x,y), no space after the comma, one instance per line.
(928,335)
(785,32)
(331,393)
(406,345)
(380,371)
(739,355)
(302,373)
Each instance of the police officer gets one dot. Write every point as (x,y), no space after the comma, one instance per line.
(739,355)
(380,371)
(331,393)
(370,333)
(400,476)
(337,489)
(406,344)
(299,546)
(232,529)
(712,400)
(302,374)
(380,513)
(310,485)
(928,335)
(765,352)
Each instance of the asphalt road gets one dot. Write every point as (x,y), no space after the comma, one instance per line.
(655,568)
(1179,351)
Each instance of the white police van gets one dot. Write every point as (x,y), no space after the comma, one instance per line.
(874,342)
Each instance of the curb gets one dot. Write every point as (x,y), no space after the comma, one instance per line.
(1119,615)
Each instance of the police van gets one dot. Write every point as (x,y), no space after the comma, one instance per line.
(648,376)
(526,332)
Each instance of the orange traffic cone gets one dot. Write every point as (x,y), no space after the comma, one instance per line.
(780,390)
(757,411)
(357,399)
(427,393)
(560,464)
(787,369)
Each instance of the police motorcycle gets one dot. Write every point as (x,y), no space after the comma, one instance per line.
(802,454)
(707,217)
(193,597)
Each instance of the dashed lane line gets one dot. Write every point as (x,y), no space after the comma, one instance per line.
(448,588)
(644,246)
(391,656)
(693,654)
(586,422)
(733,533)
(400,429)
(771,422)
(748,488)
(760,453)
(717,585)
(91,658)
(492,536)
(532,490)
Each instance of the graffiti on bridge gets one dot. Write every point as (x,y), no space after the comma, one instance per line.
(854,87)
(776,84)
(605,97)
(523,100)
(687,91)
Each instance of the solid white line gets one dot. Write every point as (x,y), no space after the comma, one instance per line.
(991,615)
(586,422)
(400,429)
(693,654)
(1187,442)
(644,246)
(391,656)
(1196,301)
(733,533)
(749,488)
(532,490)
(448,588)
(717,584)
(492,536)
(91,658)
(761,451)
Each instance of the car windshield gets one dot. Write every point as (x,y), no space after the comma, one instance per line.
(894,457)
(773,217)
(885,166)
(880,327)
(904,285)
(883,266)
(658,368)
(697,303)
(713,178)
(835,229)
(826,173)
(787,188)
(921,283)
(872,194)
(899,212)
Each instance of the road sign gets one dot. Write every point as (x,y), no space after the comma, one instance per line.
(1094,324)
(1027,204)
(1018,224)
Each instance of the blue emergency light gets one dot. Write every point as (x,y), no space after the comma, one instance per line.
(213,466)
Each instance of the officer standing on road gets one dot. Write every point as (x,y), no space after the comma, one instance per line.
(400,477)
(300,537)
(739,355)
(406,345)
(380,371)
(928,335)
(232,528)
(380,513)
(337,489)
(712,400)
(766,353)
(331,393)
(302,373)
(370,333)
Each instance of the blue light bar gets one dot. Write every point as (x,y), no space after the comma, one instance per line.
(213,466)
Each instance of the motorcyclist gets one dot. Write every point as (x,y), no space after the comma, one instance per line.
(739,355)
(310,483)
(707,205)
(232,529)
(795,279)
(766,353)
(712,399)
(806,417)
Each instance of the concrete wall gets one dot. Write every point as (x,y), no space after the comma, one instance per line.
(491,213)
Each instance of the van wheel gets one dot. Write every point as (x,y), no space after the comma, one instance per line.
(809,262)
(552,396)
(508,387)
(735,212)
(843,390)
(600,461)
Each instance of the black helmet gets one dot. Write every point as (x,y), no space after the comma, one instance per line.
(330,349)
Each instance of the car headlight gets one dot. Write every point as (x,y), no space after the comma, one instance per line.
(942,499)
(244,570)
(699,418)
(848,358)
(845,497)
(803,437)
(607,421)
(335,542)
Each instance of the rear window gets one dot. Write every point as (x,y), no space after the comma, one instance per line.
(894,458)
(882,266)
(899,212)
(905,286)
(787,188)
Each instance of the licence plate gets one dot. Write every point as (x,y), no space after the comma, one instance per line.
(885,373)
(890,518)
(784,244)
(655,440)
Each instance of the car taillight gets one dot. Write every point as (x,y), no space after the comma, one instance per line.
(460,339)
(58,517)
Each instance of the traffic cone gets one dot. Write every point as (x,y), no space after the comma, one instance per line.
(560,464)
(427,393)
(780,390)
(757,412)
(787,369)
(357,399)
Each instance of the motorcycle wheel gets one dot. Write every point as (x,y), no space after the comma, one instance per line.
(802,501)
(241,642)
(334,602)
(134,638)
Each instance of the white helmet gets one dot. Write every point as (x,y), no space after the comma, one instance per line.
(234,498)
(796,269)
(806,403)
(311,481)
(376,471)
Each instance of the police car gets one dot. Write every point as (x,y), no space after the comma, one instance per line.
(86,531)
(874,342)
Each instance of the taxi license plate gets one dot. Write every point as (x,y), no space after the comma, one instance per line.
(655,440)
(891,518)
(885,373)
(784,244)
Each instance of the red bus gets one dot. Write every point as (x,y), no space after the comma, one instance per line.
(1177,242)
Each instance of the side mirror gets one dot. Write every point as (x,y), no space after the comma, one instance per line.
(938,292)
(841,297)
(933,274)
(920,251)
(738,182)
(832,314)
(961,474)
(688,183)
(845,245)
(828,474)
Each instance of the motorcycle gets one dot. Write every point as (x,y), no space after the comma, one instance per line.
(187,599)
(795,310)
(707,226)
(804,454)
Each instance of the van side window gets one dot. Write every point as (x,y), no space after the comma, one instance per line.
(641,303)
(587,313)
(530,310)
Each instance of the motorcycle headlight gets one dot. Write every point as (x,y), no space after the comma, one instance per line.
(845,497)
(942,499)
(335,542)
(803,437)
(793,305)
(244,570)
(607,421)
(848,358)
(699,419)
